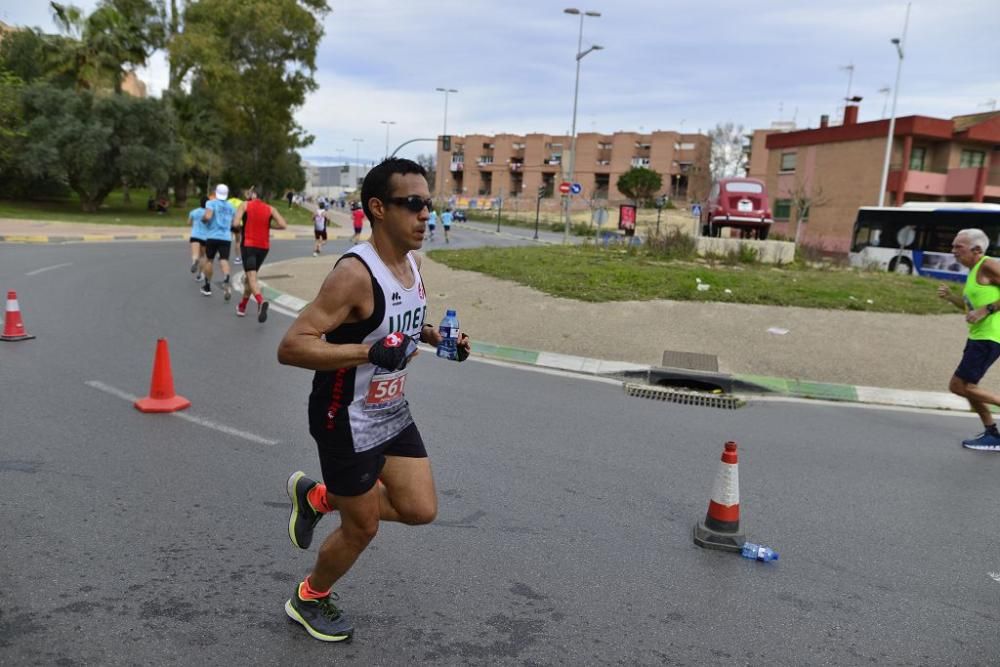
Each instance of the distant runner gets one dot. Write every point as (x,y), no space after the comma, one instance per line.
(358,218)
(219,215)
(199,232)
(319,230)
(260,217)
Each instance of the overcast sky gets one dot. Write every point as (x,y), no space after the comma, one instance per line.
(665,65)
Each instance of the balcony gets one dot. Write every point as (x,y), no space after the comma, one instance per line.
(640,162)
(554,159)
(959,182)
(485,160)
(516,166)
(457,165)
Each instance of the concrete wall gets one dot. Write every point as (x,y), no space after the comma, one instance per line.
(769,252)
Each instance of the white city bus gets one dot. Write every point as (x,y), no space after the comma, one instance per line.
(926,230)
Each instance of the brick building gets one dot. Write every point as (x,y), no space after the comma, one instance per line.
(517,165)
(832,171)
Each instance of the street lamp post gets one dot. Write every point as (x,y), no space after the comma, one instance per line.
(899,44)
(444,133)
(387,123)
(576,90)
(357,158)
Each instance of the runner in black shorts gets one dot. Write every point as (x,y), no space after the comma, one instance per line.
(358,335)
(259,217)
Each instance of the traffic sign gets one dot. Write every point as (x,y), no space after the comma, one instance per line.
(576,188)
(696,210)
(564,187)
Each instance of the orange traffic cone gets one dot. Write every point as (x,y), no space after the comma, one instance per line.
(721,527)
(161,390)
(13,327)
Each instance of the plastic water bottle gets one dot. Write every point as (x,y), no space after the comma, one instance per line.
(448,347)
(758,552)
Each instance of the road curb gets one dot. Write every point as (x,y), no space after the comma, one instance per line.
(745,384)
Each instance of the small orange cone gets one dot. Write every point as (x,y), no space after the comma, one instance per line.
(13,327)
(161,390)
(721,527)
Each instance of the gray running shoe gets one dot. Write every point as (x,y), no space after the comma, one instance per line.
(321,618)
(262,311)
(985,442)
(303,518)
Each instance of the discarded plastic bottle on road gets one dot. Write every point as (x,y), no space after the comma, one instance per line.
(758,552)
(448,347)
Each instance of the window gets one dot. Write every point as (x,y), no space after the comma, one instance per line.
(640,162)
(782,209)
(601,185)
(787,162)
(972,159)
(687,146)
(917,158)
(753,188)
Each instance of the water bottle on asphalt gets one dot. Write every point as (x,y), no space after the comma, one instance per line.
(758,552)
(448,347)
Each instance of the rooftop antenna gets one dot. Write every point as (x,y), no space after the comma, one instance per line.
(990,104)
(885,90)
(850,77)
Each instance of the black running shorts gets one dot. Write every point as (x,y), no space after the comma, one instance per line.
(320,234)
(253,258)
(218,247)
(977,358)
(197,240)
(348,473)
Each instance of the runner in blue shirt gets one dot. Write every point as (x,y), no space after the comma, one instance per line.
(219,216)
(446,223)
(199,233)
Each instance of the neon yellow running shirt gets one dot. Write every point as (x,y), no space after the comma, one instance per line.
(977,296)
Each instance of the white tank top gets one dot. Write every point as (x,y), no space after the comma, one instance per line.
(368,403)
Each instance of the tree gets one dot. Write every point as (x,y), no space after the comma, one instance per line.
(727,157)
(640,184)
(804,198)
(428,162)
(99,50)
(94,143)
(254,69)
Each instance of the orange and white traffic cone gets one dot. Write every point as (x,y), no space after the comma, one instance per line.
(721,527)
(161,391)
(13,327)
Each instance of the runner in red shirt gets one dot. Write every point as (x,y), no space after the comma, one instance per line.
(358,216)
(260,217)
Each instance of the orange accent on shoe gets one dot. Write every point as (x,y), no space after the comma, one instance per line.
(307,592)
(318,499)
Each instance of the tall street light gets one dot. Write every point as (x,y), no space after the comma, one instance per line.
(387,123)
(576,91)
(899,44)
(357,156)
(444,133)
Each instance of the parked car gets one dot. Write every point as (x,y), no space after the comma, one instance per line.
(458,216)
(740,203)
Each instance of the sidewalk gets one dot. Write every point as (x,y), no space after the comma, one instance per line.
(14,230)
(838,355)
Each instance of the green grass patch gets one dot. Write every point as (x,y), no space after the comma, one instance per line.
(597,275)
(115,211)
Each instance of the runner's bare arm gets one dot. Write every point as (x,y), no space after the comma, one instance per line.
(207,215)
(238,218)
(346,295)
(278,222)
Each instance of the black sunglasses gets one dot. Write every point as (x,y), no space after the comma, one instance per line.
(414,203)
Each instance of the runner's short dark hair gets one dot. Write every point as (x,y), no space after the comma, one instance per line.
(377,181)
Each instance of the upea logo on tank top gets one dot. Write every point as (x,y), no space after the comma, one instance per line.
(396,299)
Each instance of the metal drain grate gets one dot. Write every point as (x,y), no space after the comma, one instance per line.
(722,401)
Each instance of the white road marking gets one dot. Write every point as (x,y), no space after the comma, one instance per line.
(228,430)
(47,268)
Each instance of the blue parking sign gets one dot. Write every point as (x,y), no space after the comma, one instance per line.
(576,188)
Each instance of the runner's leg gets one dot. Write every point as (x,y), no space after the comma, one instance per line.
(359,519)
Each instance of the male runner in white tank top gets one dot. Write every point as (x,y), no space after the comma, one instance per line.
(358,335)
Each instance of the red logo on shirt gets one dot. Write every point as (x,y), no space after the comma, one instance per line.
(420,289)
(394,339)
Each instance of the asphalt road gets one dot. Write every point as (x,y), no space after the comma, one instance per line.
(564,533)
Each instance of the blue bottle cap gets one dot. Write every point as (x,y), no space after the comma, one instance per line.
(450,313)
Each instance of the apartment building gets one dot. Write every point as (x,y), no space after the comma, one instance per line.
(829,172)
(512,165)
